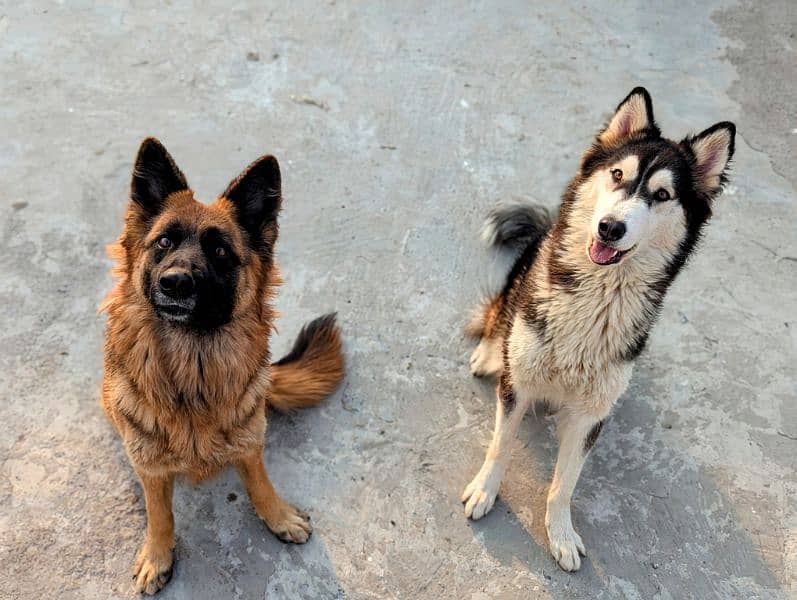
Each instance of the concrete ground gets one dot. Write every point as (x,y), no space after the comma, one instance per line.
(398,124)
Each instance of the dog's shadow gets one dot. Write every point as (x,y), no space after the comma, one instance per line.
(513,532)
(651,519)
(224,550)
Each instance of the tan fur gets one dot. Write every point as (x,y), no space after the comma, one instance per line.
(312,378)
(189,404)
(484,318)
(149,364)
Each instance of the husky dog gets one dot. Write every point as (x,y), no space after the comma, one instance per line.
(585,290)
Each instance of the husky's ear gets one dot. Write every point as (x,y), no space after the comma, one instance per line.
(155,176)
(257,196)
(713,150)
(633,115)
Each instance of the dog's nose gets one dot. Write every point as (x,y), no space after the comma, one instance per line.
(176,284)
(611,230)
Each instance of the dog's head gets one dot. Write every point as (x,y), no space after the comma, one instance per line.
(644,194)
(194,264)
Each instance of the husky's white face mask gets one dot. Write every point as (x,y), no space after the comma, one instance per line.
(649,195)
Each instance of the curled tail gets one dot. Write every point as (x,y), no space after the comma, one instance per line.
(520,225)
(312,370)
(516,224)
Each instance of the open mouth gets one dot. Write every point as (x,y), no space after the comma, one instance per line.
(603,254)
(174,312)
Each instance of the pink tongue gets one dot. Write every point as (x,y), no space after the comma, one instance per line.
(601,253)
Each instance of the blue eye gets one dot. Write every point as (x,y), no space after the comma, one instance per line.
(662,194)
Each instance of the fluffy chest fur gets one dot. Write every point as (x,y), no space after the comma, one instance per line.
(181,402)
(581,339)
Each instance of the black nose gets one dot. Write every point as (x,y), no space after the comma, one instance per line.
(177,284)
(611,230)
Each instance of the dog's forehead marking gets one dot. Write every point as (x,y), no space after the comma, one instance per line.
(195,218)
(629,166)
(663,178)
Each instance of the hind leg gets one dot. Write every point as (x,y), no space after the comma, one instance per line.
(479,496)
(487,359)
(285,521)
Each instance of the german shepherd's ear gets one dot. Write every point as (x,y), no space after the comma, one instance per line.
(633,115)
(713,150)
(257,196)
(155,176)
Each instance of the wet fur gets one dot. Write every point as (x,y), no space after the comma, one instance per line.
(190,399)
(565,331)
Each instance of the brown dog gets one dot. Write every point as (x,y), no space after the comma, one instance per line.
(188,373)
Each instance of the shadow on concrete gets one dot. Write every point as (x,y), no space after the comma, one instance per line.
(653,521)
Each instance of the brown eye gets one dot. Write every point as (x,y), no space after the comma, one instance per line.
(221,252)
(662,194)
(617,174)
(164,243)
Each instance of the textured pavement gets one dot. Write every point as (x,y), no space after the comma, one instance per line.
(398,125)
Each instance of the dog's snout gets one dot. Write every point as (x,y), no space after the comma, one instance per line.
(177,283)
(611,230)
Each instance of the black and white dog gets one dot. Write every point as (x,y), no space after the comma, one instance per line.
(579,303)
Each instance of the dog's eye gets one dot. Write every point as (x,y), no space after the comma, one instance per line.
(662,194)
(164,243)
(617,174)
(221,252)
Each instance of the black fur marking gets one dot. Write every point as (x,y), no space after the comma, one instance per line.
(257,196)
(505,392)
(155,177)
(537,226)
(543,408)
(157,435)
(592,436)
(518,224)
(312,334)
(215,277)
(560,275)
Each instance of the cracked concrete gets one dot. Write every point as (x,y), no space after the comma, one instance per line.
(398,125)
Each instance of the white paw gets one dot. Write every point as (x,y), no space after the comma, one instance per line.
(486,358)
(479,496)
(565,544)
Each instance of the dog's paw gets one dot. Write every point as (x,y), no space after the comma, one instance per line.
(479,496)
(565,545)
(153,568)
(292,525)
(486,359)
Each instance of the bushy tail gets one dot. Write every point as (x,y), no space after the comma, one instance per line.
(516,224)
(519,225)
(312,370)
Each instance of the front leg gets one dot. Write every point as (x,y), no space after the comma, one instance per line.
(285,521)
(577,433)
(153,568)
(479,496)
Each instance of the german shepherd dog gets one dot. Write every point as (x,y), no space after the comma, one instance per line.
(579,303)
(188,375)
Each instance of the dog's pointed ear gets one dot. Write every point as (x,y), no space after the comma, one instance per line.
(257,196)
(633,115)
(155,176)
(713,150)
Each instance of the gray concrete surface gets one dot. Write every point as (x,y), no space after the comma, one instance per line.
(425,114)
